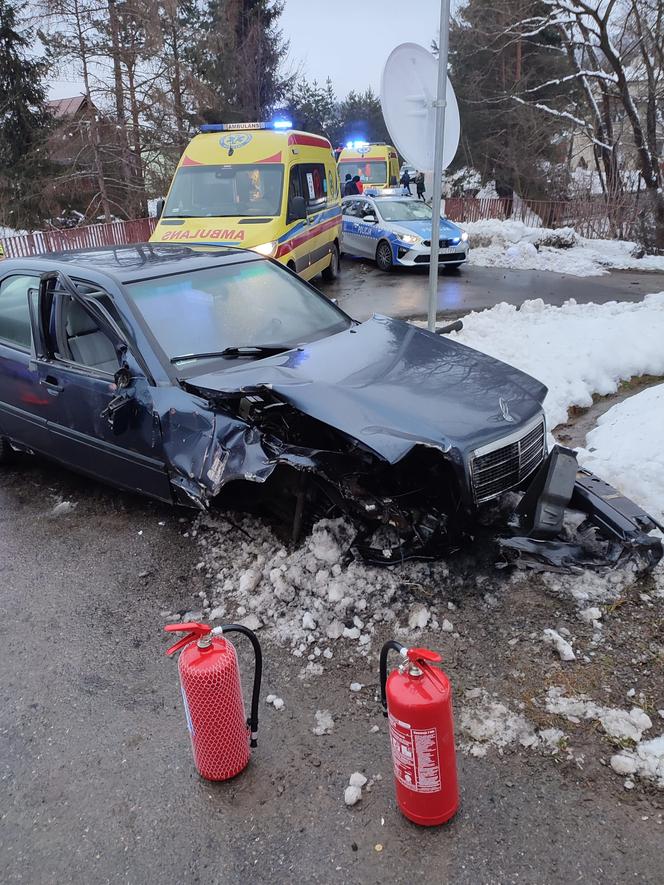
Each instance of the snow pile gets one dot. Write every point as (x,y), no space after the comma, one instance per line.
(577,349)
(513,244)
(622,724)
(646,761)
(626,447)
(593,587)
(310,597)
(490,723)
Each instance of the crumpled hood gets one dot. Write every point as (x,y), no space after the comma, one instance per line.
(391,386)
(423,228)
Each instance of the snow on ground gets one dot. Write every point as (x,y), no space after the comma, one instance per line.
(308,595)
(513,244)
(646,760)
(632,431)
(488,723)
(577,350)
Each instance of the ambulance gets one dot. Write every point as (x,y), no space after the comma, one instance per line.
(260,186)
(377,164)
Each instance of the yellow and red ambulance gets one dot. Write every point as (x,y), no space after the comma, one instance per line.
(377,164)
(261,186)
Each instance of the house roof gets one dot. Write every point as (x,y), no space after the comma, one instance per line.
(67,107)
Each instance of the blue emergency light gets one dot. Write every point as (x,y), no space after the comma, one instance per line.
(283,124)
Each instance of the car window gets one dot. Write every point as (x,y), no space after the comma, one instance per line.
(239,305)
(405,210)
(80,340)
(366,209)
(314,182)
(352,208)
(14,311)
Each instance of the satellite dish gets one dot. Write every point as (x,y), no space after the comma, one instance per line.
(407,95)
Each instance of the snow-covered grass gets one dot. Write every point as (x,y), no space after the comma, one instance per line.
(513,244)
(627,447)
(577,350)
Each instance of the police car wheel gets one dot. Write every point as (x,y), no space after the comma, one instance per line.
(331,272)
(384,256)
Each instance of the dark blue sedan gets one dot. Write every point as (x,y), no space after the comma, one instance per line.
(193,375)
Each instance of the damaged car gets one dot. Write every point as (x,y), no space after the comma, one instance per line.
(197,376)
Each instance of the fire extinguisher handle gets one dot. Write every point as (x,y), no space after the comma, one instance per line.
(390,645)
(193,629)
(252,721)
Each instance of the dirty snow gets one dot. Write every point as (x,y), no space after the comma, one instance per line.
(308,596)
(632,430)
(513,244)
(490,723)
(577,350)
(646,761)
(616,723)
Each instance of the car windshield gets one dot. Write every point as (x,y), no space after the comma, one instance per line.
(370,171)
(196,315)
(225,191)
(404,210)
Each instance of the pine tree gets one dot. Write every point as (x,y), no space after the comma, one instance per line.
(24,122)
(238,59)
(361,116)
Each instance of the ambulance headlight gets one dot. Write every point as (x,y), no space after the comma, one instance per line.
(464,237)
(267,249)
(411,239)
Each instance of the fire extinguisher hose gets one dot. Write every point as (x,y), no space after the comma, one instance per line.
(252,721)
(390,645)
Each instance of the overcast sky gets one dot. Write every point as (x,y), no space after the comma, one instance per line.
(344,39)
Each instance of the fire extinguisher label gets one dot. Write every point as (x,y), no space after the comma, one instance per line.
(415,756)
(190,724)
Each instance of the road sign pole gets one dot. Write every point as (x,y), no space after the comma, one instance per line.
(439,104)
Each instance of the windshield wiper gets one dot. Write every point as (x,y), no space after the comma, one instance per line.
(233,352)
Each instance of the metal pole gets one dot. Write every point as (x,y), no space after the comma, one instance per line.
(440,105)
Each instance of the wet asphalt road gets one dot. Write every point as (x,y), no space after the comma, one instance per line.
(97,781)
(362,289)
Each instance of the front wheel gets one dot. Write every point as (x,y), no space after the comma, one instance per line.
(331,272)
(384,258)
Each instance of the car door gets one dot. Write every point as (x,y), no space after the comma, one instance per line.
(349,220)
(105,425)
(367,231)
(26,404)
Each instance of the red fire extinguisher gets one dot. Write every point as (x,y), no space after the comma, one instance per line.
(220,733)
(417,699)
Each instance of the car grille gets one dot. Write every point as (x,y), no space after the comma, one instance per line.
(453,256)
(505,466)
(444,244)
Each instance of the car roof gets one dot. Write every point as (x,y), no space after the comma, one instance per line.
(126,263)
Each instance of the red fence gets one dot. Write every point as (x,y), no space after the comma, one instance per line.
(116,233)
(593,218)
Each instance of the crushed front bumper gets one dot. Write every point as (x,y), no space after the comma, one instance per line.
(620,529)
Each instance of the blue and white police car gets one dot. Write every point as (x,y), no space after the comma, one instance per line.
(396,230)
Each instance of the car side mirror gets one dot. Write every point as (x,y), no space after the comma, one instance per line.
(160,207)
(370,219)
(117,407)
(298,209)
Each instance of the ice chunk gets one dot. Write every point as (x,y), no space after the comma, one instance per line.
(352,795)
(308,622)
(623,764)
(590,614)
(419,617)
(564,649)
(324,722)
(356,686)
(357,779)
(249,580)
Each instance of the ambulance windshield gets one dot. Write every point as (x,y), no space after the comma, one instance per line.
(225,191)
(370,171)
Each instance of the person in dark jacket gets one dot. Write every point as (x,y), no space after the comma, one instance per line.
(419,184)
(405,182)
(357,181)
(350,188)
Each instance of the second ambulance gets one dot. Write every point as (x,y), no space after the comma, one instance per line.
(261,186)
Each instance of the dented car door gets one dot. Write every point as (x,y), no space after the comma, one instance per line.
(103,421)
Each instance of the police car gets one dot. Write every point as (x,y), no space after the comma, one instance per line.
(396,230)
